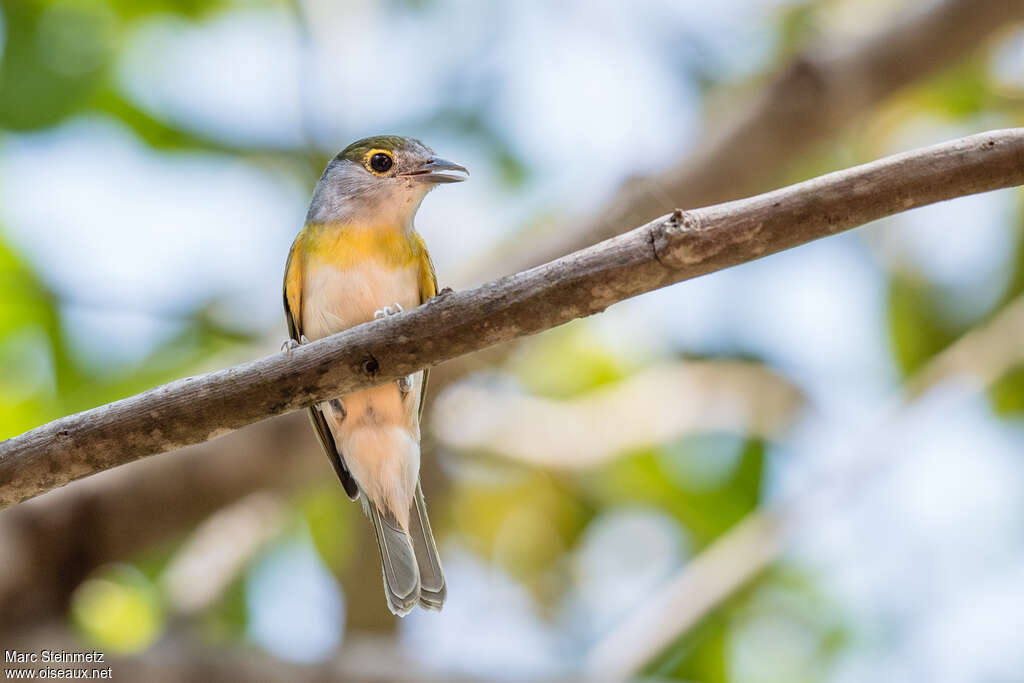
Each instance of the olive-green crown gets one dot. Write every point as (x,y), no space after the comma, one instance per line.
(358,150)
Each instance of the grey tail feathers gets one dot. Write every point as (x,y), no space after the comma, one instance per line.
(432,586)
(411,566)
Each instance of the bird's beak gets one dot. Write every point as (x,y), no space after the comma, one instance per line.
(433,171)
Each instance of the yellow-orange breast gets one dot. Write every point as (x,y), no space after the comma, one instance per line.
(339,275)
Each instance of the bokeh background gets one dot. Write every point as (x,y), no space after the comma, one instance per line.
(807,468)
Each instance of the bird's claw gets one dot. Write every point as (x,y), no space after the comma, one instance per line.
(388,310)
(291,344)
(405,384)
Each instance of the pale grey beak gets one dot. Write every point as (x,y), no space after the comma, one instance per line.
(432,171)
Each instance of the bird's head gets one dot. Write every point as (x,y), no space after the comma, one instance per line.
(380,179)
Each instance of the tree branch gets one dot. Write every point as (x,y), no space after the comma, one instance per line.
(670,249)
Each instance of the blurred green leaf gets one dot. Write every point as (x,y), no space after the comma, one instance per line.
(228,619)
(797,22)
(566,362)
(708,652)
(133,9)
(118,609)
(1007,394)
(524,521)
(706,512)
(958,92)
(917,327)
(39,84)
(329,515)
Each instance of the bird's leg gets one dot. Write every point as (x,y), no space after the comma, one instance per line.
(290,345)
(338,408)
(404,383)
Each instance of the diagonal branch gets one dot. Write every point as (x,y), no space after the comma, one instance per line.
(670,249)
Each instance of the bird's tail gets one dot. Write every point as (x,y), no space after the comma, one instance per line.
(411,565)
(432,586)
(401,574)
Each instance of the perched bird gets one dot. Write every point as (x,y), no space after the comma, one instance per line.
(359,258)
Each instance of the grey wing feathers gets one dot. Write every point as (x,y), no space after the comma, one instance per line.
(401,575)
(323,432)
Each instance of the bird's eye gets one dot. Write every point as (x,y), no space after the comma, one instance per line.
(381,162)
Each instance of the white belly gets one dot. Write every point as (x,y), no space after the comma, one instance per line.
(335,300)
(378,432)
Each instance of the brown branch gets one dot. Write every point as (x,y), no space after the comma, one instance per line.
(670,249)
(814,96)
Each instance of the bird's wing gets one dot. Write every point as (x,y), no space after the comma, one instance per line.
(428,288)
(293,315)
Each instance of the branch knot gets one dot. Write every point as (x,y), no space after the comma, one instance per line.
(669,235)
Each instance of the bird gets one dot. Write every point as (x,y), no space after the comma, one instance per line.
(359,258)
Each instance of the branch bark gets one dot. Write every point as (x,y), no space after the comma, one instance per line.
(670,249)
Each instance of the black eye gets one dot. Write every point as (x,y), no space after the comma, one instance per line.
(381,162)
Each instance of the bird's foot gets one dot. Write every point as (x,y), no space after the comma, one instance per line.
(291,344)
(388,310)
(405,384)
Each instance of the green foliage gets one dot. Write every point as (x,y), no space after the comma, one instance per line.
(227,621)
(330,516)
(796,612)
(917,325)
(1007,393)
(959,92)
(525,520)
(655,477)
(118,609)
(566,362)
(53,58)
(797,23)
